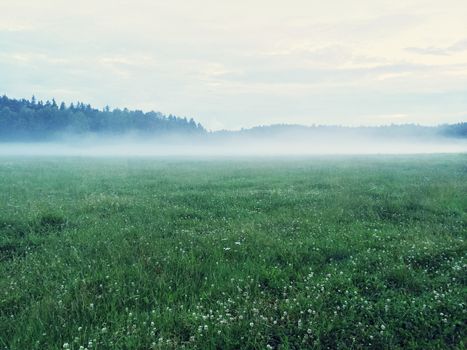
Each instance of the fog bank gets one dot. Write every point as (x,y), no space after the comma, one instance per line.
(233,146)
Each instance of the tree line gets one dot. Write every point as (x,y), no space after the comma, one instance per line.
(408,131)
(32,120)
(22,119)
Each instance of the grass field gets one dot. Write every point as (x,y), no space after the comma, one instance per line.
(325,253)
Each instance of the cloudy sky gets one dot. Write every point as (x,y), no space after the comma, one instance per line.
(246,62)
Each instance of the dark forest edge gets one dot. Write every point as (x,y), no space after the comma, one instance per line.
(32,120)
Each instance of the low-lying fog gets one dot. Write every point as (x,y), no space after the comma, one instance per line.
(131,145)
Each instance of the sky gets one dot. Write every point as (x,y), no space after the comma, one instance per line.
(238,64)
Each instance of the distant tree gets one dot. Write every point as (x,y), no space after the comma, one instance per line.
(32,120)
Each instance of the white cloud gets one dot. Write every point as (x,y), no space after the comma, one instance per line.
(457,47)
(245,62)
(12,26)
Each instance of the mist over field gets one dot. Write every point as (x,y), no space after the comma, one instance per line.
(31,127)
(234,145)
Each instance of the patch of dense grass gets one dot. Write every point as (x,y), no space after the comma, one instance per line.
(325,253)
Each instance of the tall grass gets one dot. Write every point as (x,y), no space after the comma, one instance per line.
(324,253)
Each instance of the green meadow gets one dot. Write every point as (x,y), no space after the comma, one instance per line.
(258,253)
